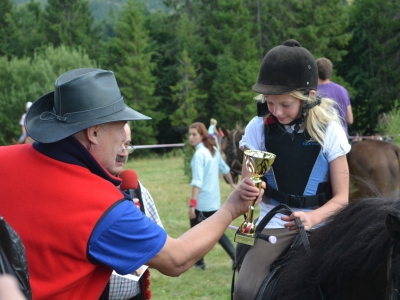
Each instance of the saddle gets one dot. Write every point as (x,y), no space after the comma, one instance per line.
(269,283)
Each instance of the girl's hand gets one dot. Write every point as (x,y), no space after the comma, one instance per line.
(304,218)
(192,213)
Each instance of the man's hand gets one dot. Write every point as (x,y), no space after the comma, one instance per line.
(238,200)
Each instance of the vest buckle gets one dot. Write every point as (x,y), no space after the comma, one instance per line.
(296,201)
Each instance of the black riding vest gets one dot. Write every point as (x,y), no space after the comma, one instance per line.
(296,177)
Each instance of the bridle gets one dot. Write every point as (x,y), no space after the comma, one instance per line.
(233,158)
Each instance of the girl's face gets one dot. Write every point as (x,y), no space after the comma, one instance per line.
(194,137)
(285,108)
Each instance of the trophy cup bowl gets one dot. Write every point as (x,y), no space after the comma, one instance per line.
(258,163)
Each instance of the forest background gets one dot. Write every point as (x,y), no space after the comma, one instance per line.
(181,61)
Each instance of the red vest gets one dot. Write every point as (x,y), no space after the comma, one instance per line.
(54,207)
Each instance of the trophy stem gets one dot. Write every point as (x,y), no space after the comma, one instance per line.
(248,227)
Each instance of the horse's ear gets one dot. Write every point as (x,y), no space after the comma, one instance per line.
(392,222)
(225,131)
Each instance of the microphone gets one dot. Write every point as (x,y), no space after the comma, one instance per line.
(129,180)
(130,184)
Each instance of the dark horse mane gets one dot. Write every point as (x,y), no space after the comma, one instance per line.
(350,250)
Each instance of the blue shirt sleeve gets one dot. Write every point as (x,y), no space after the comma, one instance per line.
(197,164)
(125,239)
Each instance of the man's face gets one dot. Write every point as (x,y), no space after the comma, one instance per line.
(122,156)
(110,136)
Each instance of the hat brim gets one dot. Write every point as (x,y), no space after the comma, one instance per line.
(272,89)
(53,130)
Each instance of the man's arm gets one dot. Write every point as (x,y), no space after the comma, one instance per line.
(178,255)
(349,115)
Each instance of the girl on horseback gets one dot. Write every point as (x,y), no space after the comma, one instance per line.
(310,172)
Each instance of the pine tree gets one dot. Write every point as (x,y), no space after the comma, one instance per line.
(70,23)
(231,88)
(31,20)
(185,94)
(10,34)
(231,62)
(372,65)
(319,25)
(129,55)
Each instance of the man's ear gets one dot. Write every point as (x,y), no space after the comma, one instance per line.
(92,134)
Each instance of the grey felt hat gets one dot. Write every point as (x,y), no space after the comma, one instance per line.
(82,98)
(287,68)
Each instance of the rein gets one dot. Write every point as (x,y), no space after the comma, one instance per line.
(235,160)
(393,293)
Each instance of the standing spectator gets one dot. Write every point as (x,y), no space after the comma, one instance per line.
(213,132)
(206,198)
(24,135)
(122,288)
(330,89)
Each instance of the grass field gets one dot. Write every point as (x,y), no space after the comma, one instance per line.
(170,188)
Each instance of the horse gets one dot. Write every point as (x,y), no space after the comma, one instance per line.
(233,154)
(374,169)
(355,255)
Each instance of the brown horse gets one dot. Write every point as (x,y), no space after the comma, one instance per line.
(374,169)
(233,155)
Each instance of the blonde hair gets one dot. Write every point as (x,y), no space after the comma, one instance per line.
(318,117)
(213,122)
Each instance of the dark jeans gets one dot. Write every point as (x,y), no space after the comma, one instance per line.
(223,241)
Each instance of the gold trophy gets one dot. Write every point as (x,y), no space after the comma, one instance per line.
(258,164)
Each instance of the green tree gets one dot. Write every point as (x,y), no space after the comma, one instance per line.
(231,62)
(231,88)
(372,65)
(129,55)
(319,25)
(27,79)
(31,20)
(186,94)
(70,23)
(10,34)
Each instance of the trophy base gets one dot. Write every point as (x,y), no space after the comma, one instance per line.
(244,238)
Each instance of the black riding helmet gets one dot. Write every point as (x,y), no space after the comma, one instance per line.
(287,68)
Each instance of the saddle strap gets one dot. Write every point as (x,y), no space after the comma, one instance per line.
(286,210)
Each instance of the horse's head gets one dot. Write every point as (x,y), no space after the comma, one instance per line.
(233,155)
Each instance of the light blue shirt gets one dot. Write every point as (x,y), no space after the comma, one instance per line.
(205,176)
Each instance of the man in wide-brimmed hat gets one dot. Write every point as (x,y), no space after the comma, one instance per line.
(77,226)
